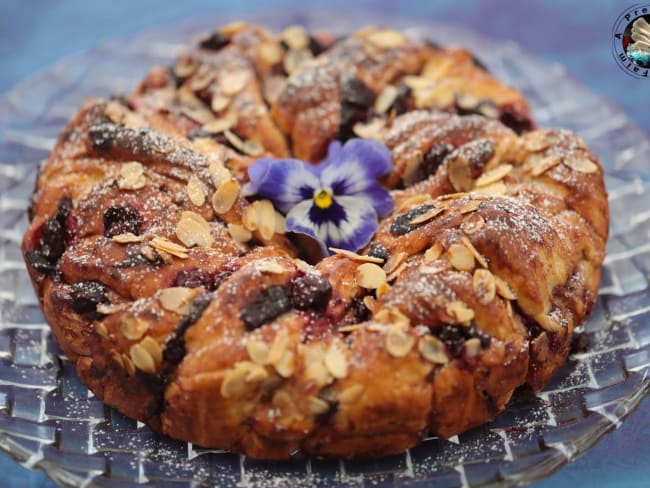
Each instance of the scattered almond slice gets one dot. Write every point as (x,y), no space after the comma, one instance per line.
(356,257)
(127,238)
(177,299)
(370,276)
(581,164)
(459,311)
(225,196)
(193,230)
(196,191)
(477,255)
(131,176)
(493,175)
(165,245)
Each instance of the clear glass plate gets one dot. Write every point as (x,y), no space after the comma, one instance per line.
(50,421)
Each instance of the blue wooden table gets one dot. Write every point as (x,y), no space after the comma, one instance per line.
(36,33)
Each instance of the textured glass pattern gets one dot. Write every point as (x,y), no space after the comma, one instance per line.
(50,421)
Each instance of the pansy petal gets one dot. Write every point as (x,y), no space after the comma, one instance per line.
(352,232)
(299,221)
(379,199)
(333,153)
(358,227)
(284,181)
(358,165)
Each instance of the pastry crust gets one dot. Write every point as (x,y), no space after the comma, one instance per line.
(184,305)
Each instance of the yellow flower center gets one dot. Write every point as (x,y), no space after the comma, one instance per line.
(323,198)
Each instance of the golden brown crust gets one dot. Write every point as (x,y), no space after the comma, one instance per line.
(182,303)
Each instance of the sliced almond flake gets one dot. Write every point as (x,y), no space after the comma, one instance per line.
(218,173)
(185,67)
(535,142)
(370,276)
(467,102)
(127,238)
(258,352)
(459,174)
(154,348)
(433,253)
(196,191)
(100,328)
(548,324)
(369,130)
(386,39)
(282,400)
(336,361)
(177,299)
(414,201)
(395,261)
(350,328)
(233,384)
(393,317)
(498,188)
(270,266)
(133,328)
(142,359)
(440,96)
(219,103)
(398,271)
(318,373)
(162,244)
(433,350)
(131,176)
(128,365)
(493,175)
(194,230)
(296,37)
(504,290)
(351,394)
(488,110)
(279,346)
(473,347)
(317,406)
(382,290)
(256,374)
(369,302)
(249,217)
(470,206)
(220,125)
(399,343)
(252,148)
(265,219)
(544,165)
(233,83)
(270,52)
(479,257)
(225,196)
(239,233)
(580,163)
(484,286)
(460,257)
(434,212)
(459,311)
(280,223)
(386,98)
(472,224)
(286,365)
(356,257)
(202,78)
(294,59)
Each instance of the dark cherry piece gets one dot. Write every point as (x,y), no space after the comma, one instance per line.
(402,223)
(268,305)
(310,291)
(120,219)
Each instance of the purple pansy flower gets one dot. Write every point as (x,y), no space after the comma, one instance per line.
(338,201)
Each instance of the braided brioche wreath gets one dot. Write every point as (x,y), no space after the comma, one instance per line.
(184,304)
